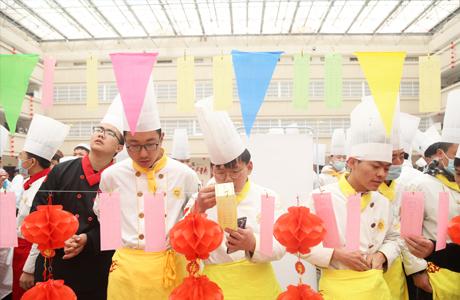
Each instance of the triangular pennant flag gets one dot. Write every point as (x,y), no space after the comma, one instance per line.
(253,72)
(15,71)
(383,71)
(132,71)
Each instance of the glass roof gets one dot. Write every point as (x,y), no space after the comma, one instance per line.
(51,20)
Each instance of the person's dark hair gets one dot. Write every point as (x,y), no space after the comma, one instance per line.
(83,148)
(244,157)
(406,155)
(432,149)
(457,162)
(41,161)
(56,157)
(444,146)
(158,131)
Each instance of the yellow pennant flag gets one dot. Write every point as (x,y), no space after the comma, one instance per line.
(91,83)
(222,72)
(383,71)
(430,83)
(185,83)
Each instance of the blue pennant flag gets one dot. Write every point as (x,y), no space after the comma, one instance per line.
(253,72)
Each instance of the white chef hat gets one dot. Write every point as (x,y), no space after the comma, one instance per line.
(421,142)
(409,125)
(451,126)
(319,158)
(348,142)
(3,139)
(276,131)
(180,148)
(114,115)
(223,141)
(45,136)
(83,145)
(149,119)
(396,134)
(338,142)
(368,138)
(433,133)
(292,130)
(421,162)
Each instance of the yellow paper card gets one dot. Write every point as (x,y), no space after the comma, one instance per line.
(383,71)
(222,74)
(430,83)
(185,84)
(91,83)
(226,206)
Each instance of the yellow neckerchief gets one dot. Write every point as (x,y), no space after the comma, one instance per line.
(241,195)
(333,173)
(151,173)
(388,191)
(450,184)
(347,189)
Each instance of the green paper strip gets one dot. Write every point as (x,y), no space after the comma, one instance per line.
(15,71)
(301,90)
(333,81)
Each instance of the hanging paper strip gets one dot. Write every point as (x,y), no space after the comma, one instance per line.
(15,71)
(91,83)
(301,90)
(48,82)
(222,82)
(383,71)
(267,220)
(8,231)
(430,83)
(133,71)
(333,81)
(253,72)
(154,210)
(186,83)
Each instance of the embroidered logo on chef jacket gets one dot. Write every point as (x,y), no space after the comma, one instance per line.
(382,225)
(177,192)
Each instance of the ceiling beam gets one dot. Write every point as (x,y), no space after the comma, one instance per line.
(428,8)
(167,17)
(444,21)
(231,15)
(263,16)
(73,19)
(388,16)
(135,17)
(325,16)
(357,16)
(293,17)
(38,16)
(19,26)
(94,7)
(199,17)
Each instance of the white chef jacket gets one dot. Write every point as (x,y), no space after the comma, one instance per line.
(6,271)
(17,186)
(408,173)
(249,207)
(175,179)
(326,178)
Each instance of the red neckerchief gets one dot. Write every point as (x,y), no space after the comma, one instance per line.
(36,177)
(91,177)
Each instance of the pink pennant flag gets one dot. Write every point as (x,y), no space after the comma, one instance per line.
(154,213)
(132,71)
(110,220)
(8,233)
(412,214)
(48,82)
(325,210)
(267,221)
(443,219)
(353,223)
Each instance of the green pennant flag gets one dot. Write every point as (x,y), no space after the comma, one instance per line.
(15,71)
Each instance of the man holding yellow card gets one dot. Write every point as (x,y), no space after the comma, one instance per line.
(242,271)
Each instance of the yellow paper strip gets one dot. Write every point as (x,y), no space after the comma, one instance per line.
(185,84)
(430,83)
(226,206)
(222,73)
(383,71)
(91,83)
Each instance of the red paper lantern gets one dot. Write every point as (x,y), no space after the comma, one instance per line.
(300,292)
(453,230)
(196,236)
(197,288)
(299,230)
(50,290)
(49,227)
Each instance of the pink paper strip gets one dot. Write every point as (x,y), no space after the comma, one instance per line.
(325,210)
(154,212)
(48,82)
(267,221)
(353,223)
(412,214)
(132,71)
(443,219)
(8,233)
(110,221)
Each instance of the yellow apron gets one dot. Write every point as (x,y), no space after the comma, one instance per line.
(350,284)
(445,283)
(396,281)
(244,280)
(136,274)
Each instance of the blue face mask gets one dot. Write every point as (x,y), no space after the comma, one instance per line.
(394,173)
(450,169)
(21,168)
(339,165)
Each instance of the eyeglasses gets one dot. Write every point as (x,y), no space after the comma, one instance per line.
(233,174)
(108,132)
(138,148)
